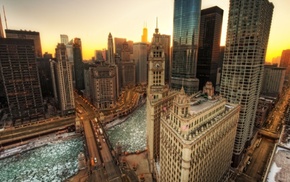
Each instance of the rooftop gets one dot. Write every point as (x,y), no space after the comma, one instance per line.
(201,103)
(279,167)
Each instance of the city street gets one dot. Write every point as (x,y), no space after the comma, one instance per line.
(257,157)
(105,167)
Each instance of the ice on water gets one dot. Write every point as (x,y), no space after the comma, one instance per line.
(131,134)
(53,162)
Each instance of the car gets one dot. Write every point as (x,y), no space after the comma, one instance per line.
(95,160)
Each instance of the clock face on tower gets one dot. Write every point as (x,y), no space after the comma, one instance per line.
(157,65)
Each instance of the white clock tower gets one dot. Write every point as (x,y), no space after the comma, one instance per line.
(156,69)
(159,100)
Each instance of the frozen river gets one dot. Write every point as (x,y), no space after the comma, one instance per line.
(131,134)
(53,162)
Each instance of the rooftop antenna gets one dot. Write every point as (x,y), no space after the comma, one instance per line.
(156,29)
(5,17)
(1,28)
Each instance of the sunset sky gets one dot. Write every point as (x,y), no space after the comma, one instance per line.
(92,20)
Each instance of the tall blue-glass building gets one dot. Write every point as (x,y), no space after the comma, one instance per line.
(185,45)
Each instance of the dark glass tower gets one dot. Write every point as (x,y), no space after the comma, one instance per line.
(209,45)
(185,45)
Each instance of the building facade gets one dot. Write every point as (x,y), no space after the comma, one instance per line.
(20,80)
(140,59)
(197,138)
(243,66)
(62,81)
(23,34)
(273,80)
(209,45)
(186,19)
(103,85)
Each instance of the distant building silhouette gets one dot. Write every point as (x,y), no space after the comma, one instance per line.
(243,66)
(99,55)
(119,45)
(186,19)
(285,62)
(111,56)
(144,37)
(209,45)
(19,76)
(23,34)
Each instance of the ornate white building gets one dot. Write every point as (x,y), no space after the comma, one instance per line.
(197,137)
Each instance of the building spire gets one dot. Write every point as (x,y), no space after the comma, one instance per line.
(5,18)
(1,29)
(156,29)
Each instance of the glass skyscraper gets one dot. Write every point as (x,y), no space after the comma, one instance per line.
(185,45)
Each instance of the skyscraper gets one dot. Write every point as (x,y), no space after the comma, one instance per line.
(23,34)
(159,98)
(111,56)
(144,37)
(185,45)
(197,137)
(78,65)
(209,45)
(19,75)
(246,44)
(140,58)
(62,81)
